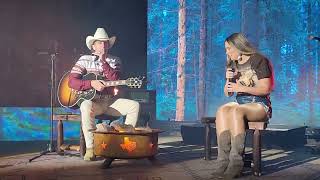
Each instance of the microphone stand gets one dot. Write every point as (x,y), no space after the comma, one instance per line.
(50,147)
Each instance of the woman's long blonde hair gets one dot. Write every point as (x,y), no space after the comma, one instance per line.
(241,43)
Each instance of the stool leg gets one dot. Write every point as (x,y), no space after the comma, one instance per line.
(60,136)
(256,153)
(82,142)
(208,142)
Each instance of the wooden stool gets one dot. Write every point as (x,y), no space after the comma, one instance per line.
(256,149)
(60,136)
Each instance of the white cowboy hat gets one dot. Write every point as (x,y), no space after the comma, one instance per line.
(100,35)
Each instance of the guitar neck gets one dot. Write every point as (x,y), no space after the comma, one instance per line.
(114,83)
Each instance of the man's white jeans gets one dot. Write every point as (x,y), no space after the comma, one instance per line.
(90,109)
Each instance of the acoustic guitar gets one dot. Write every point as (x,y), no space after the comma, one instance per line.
(69,97)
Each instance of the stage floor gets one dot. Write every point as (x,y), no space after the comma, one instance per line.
(174,160)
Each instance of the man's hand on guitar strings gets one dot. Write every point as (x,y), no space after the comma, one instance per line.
(97,85)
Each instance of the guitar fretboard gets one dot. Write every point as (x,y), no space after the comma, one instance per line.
(115,83)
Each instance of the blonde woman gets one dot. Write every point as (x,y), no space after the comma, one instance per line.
(249,76)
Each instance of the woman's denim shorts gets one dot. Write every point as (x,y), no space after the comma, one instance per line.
(256,99)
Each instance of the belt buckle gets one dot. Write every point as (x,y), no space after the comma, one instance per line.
(105,96)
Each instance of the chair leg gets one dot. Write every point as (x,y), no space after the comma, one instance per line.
(208,142)
(256,153)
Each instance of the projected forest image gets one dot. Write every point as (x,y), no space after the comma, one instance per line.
(186,53)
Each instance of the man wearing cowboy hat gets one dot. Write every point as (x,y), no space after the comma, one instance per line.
(100,62)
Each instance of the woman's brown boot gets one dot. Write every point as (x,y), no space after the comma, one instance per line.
(224,147)
(236,157)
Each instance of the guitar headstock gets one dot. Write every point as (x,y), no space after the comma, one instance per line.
(135,82)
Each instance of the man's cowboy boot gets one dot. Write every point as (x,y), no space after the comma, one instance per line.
(89,156)
(236,157)
(224,147)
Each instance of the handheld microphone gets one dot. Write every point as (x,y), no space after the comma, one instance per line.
(231,64)
(231,80)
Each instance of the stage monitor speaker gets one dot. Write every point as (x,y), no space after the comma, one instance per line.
(147,100)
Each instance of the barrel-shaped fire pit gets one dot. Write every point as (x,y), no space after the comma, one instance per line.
(126,145)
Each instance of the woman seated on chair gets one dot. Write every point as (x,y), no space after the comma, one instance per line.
(249,75)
